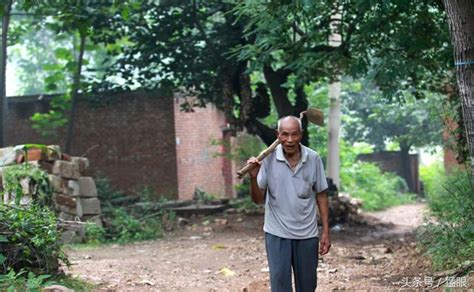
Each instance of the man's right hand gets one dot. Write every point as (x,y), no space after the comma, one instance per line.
(254,172)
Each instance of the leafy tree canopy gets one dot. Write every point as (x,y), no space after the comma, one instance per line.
(369,118)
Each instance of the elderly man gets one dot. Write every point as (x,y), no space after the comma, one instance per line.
(291,183)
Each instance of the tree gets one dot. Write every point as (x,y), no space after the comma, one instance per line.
(461,23)
(5,13)
(413,123)
(214,49)
(70,22)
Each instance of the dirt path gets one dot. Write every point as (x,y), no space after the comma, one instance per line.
(229,255)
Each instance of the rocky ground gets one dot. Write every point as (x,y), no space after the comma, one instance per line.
(226,253)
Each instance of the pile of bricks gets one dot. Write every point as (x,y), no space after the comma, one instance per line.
(74,193)
(75,196)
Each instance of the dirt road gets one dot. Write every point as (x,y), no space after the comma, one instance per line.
(226,253)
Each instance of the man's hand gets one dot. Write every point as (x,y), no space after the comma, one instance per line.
(254,172)
(256,193)
(324,244)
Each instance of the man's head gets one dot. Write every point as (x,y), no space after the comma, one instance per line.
(290,132)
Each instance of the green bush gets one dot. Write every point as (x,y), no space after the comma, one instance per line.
(13,281)
(37,180)
(125,228)
(432,177)
(449,239)
(29,239)
(377,190)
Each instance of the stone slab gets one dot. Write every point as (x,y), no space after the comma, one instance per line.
(88,206)
(87,187)
(66,169)
(81,162)
(65,200)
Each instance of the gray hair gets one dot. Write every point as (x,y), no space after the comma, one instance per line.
(292,118)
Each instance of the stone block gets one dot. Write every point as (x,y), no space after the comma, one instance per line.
(73,188)
(66,169)
(81,162)
(64,200)
(58,184)
(88,206)
(87,187)
(64,204)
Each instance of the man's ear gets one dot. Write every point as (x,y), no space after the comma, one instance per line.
(276,133)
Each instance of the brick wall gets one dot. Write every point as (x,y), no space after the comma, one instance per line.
(450,160)
(199,161)
(133,134)
(389,161)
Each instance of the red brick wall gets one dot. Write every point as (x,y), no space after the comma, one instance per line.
(199,162)
(134,133)
(450,160)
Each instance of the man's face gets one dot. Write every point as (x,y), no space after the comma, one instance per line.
(290,136)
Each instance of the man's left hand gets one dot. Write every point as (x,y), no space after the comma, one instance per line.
(324,244)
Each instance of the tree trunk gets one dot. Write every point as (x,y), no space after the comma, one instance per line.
(334,124)
(75,93)
(405,166)
(3,71)
(461,23)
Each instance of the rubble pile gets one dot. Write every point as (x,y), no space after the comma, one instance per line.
(343,208)
(74,193)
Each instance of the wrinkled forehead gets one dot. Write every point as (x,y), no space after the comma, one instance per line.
(289,124)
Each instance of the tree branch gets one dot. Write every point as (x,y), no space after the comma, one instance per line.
(275,80)
(256,127)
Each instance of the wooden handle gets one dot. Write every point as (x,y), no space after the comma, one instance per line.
(244,170)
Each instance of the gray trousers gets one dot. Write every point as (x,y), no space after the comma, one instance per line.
(283,254)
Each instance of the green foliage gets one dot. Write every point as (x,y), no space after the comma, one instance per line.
(122,224)
(368,118)
(366,181)
(94,234)
(244,204)
(126,228)
(432,176)
(377,190)
(37,179)
(27,281)
(30,239)
(13,281)
(449,239)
